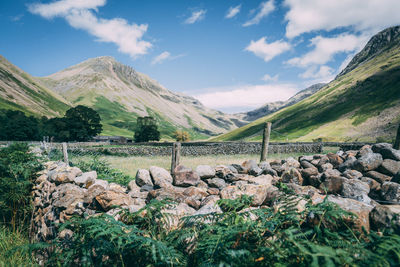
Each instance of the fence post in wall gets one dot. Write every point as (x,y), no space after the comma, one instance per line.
(397,141)
(265,141)
(176,156)
(65,153)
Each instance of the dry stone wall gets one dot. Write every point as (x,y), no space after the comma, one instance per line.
(364,182)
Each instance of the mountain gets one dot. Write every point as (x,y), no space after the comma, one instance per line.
(20,91)
(120,95)
(362,103)
(278,105)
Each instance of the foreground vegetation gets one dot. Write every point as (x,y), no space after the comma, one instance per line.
(319,235)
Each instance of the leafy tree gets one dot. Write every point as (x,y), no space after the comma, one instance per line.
(16,126)
(146,130)
(83,123)
(56,128)
(182,136)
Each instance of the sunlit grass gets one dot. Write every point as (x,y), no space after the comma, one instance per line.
(10,240)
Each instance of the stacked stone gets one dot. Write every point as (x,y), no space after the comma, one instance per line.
(365,182)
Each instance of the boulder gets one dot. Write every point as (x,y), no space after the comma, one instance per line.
(348,164)
(352,174)
(334,159)
(306,164)
(161,177)
(308,172)
(314,180)
(171,192)
(213,191)
(391,192)
(70,198)
(385,216)
(143,178)
(364,151)
(309,191)
(356,189)
(332,185)
(374,187)
(207,209)
(95,189)
(258,192)
(377,176)
(360,209)
(185,177)
(368,162)
(109,198)
(195,192)
(292,175)
(216,183)
(306,158)
(262,179)
(389,167)
(290,163)
(251,167)
(272,194)
(117,188)
(225,173)
(86,179)
(64,175)
(396,178)
(133,187)
(210,200)
(387,151)
(324,167)
(205,171)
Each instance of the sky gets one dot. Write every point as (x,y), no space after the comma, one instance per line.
(232,55)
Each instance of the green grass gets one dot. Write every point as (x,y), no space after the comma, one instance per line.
(364,93)
(10,240)
(129,165)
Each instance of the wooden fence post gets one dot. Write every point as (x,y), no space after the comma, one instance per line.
(176,156)
(65,153)
(397,141)
(265,141)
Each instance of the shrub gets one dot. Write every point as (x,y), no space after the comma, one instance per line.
(18,168)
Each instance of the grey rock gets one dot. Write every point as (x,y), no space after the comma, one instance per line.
(205,171)
(368,162)
(143,178)
(391,192)
(292,175)
(86,179)
(217,183)
(379,177)
(387,151)
(185,177)
(385,216)
(356,189)
(160,176)
(348,164)
(352,174)
(389,167)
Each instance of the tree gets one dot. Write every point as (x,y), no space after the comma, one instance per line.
(182,136)
(83,123)
(16,126)
(146,130)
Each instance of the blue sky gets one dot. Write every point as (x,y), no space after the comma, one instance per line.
(232,55)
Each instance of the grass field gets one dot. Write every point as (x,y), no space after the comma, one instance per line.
(129,165)
(10,240)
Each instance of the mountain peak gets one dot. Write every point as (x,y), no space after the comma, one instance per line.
(379,43)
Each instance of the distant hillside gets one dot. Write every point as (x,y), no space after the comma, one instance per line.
(362,103)
(120,94)
(278,105)
(20,91)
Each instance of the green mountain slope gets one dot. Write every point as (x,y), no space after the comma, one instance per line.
(362,103)
(120,94)
(20,91)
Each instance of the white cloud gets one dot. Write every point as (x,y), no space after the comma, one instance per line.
(245,97)
(161,58)
(196,16)
(319,74)
(233,11)
(80,15)
(363,15)
(265,8)
(269,78)
(326,47)
(267,51)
